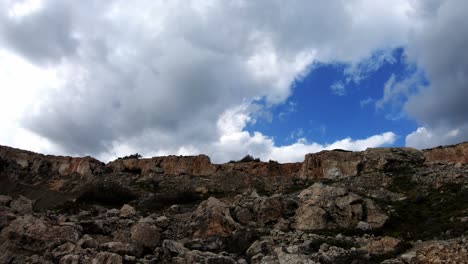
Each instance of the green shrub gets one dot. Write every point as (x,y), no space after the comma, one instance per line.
(247,158)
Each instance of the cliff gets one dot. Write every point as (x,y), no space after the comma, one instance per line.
(334,207)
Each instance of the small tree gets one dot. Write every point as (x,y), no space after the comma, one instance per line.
(133,156)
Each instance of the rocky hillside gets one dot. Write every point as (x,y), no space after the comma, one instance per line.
(383,205)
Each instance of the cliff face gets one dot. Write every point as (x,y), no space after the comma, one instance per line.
(334,207)
(69,175)
(456,153)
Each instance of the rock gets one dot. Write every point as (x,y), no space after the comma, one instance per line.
(162,221)
(326,207)
(120,248)
(259,247)
(341,164)
(220,260)
(455,153)
(107,258)
(212,218)
(113,212)
(294,258)
(383,245)
(62,250)
(172,248)
(374,215)
(363,226)
(243,215)
(22,205)
(269,209)
(5,200)
(146,233)
(127,211)
(94,226)
(87,242)
(70,259)
(35,234)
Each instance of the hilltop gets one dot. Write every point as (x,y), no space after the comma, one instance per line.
(392,205)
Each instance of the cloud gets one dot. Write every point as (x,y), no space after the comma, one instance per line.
(438,46)
(159,77)
(338,88)
(426,137)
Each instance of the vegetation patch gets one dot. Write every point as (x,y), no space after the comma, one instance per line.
(247,158)
(107,193)
(431,215)
(164,200)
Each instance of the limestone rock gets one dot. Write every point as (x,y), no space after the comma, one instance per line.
(22,205)
(212,218)
(107,258)
(326,207)
(127,211)
(383,245)
(146,233)
(5,200)
(456,153)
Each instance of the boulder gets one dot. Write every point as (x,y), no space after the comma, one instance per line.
(341,164)
(5,200)
(107,258)
(212,218)
(327,207)
(127,211)
(269,209)
(22,205)
(35,234)
(381,246)
(146,233)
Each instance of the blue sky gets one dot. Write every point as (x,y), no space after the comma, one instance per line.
(318,113)
(270,78)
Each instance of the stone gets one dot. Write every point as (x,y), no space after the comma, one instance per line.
(383,245)
(121,248)
(22,205)
(107,258)
(62,250)
(87,242)
(5,200)
(146,233)
(212,218)
(243,215)
(327,207)
(35,234)
(70,259)
(127,211)
(363,226)
(269,209)
(163,221)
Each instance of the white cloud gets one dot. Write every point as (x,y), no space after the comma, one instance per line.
(425,137)
(338,88)
(162,77)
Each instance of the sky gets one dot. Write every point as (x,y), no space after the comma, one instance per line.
(274,79)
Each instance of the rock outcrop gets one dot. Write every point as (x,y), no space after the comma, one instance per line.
(384,205)
(326,207)
(456,154)
(338,163)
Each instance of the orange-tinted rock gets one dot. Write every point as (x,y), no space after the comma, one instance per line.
(338,163)
(455,153)
(171,165)
(212,218)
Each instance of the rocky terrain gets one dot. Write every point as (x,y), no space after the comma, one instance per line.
(383,205)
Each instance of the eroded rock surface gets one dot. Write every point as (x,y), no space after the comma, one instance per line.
(385,205)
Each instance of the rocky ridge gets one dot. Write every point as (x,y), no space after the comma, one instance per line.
(389,205)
